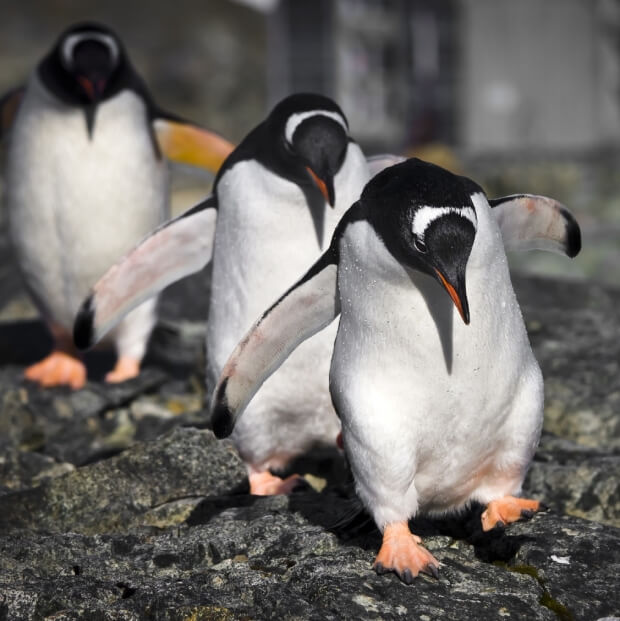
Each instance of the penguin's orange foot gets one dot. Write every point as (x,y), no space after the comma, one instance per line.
(402,553)
(508,509)
(58,369)
(126,368)
(267,484)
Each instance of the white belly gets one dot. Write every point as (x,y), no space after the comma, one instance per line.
(433,408)
(77,204)
(261,249)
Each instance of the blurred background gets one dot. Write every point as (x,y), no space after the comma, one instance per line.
(522,96)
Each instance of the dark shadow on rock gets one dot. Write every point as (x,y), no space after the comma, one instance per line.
(25,342)
(338,510)
(326,463)
(210,507)
(489,547)
(28,341)
(342,513)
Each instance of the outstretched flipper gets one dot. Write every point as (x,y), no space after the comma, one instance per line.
(307,307)
(527,221)
(9,105)
(186,143)
(174,250)
(530,222)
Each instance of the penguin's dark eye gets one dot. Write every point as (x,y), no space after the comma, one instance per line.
(419,245)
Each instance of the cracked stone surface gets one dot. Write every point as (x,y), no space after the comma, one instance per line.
(116,502)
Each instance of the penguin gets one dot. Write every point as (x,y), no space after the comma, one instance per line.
(86,180)
(185,245)
(432,375)
(278,198)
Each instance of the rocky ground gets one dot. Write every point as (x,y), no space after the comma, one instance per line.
(116,502)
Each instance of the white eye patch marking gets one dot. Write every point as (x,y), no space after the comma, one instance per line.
(299,117)
(72,40)
(425,215)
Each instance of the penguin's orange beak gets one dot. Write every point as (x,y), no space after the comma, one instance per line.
(459,298)
(87,86)
(326,188)
(92,86)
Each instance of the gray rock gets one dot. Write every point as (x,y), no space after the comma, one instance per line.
(574,330)
(576,480)
(114,494)
(559,556)
(111,509)
(277,558)
(22,469)
(96,422)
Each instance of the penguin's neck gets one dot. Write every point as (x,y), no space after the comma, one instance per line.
(367,265)
(488,249)
(37,92)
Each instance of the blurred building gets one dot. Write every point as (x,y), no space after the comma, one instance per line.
(489,76)
(521,94)
(486,75)
(391,64)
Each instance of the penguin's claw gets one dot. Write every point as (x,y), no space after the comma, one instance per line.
(432,571)
(508,509)
(407,577)
(402,553)
(267,484)
(126,368)
(58,369)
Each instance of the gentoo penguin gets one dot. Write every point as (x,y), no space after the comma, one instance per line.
(432,375)
(278,198)
(85,180)
(184,245)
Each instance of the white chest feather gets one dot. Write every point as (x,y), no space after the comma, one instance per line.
(76,203)
(412,381)
(265,241)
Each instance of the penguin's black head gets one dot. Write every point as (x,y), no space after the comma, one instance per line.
(310,134)
(82,67)
(427,220)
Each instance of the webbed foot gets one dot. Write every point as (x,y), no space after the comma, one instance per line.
(58,369)
(508,509)
(126,368)
(266,484)
(402,553)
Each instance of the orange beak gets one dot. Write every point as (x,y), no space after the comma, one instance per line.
(329,198)
(87,86)
(460,301)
